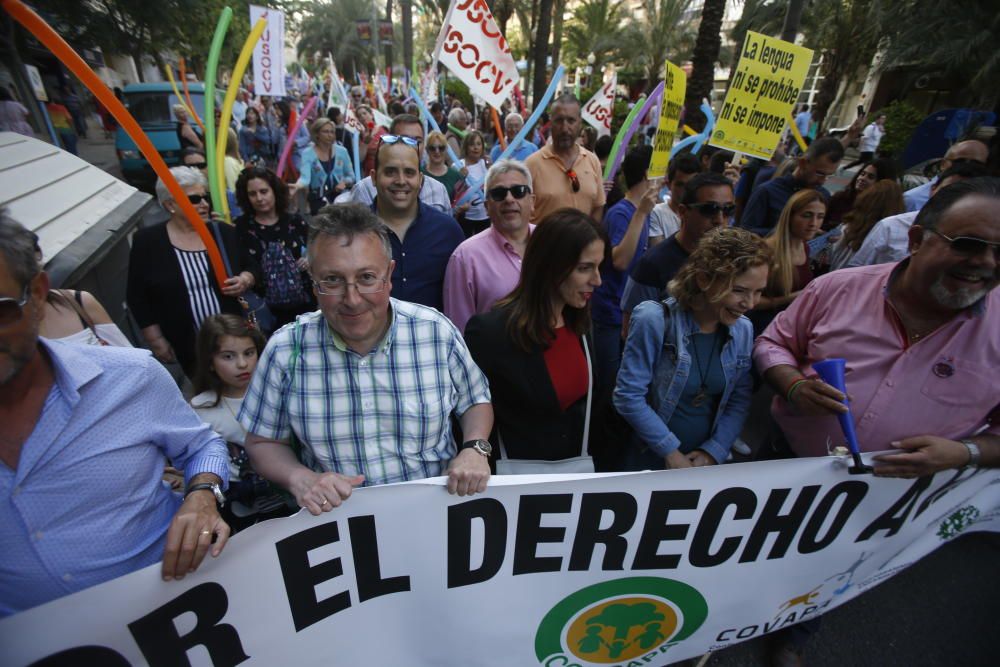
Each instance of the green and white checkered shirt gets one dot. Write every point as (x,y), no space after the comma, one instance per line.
(384,415)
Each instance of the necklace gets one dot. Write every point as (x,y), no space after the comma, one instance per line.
(702,395)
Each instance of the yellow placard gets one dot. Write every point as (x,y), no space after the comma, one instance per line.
(764,90)
(674,89)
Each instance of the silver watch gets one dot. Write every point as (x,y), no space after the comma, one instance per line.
(482,446)
(973,453)
(216,490)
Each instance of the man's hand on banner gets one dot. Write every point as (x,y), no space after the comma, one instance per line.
(321,492)
(921,455)
(468,473)
(677,459)
(195,528)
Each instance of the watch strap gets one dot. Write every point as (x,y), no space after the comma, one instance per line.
(973,453)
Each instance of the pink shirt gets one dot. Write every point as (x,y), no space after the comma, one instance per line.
(945,384)
(481,271)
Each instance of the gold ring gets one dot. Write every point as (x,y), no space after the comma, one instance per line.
(325,501)
(206,532)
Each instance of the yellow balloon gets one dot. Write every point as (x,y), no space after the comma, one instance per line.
(689,130)
(798,135)
(177,92)
(222,137)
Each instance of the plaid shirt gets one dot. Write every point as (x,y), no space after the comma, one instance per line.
(384,414)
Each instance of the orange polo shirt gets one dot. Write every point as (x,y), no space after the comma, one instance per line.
(553,187)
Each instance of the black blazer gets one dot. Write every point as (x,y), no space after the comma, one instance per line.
(156,293)
(525,406)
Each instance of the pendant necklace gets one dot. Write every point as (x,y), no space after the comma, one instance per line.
(702,394)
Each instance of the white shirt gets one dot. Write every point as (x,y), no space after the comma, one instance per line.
(888,241)
(663,221)
(870,138)
(432,193)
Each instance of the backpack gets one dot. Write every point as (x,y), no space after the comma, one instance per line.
(284,282)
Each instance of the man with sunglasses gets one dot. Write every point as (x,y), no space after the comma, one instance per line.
(368,384)
(920,339)
(83,435)
(432,192)
(566,174)
(423,238)
(972,150)
(487,267)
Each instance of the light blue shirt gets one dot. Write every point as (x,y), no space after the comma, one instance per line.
(524,149)
(87,502)
(915,198)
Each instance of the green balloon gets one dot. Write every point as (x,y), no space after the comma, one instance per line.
(225,17)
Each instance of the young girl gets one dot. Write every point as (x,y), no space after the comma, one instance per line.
(227,356)
(475,218)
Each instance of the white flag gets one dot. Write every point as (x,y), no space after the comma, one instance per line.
(600,108)
(269,54)
(338,96)
(471,45)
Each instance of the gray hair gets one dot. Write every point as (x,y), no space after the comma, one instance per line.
(19,247)
(186,177)
(565,98)
(501,167)
(347,221)
(455,114)
(513,116)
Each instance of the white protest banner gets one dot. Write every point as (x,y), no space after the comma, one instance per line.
(471,45)
(269,54)
(599,110)
(382,119)
(338,96)
(429,86)
(352,122)
(588,570)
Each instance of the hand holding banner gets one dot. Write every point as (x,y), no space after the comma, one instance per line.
(471,45)
(599,110)
(674,89)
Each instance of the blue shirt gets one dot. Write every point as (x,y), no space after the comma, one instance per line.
(608,296)
(655,269)
(766,203)
(692,419)
(915,198)
(524,149)
(87,503)
(422,256)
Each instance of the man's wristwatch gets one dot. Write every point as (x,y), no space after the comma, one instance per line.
(973,453)
(482,446)
(216,490)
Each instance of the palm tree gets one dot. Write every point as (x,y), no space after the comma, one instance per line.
(706,53)
(665,33)
(598,27)
(330,28)
(540,48)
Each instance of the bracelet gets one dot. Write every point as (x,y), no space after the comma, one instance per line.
(790,392)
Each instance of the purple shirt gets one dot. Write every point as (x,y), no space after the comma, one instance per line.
(945,384)
(481,271)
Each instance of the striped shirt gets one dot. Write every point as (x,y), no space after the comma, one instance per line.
(194,268)
(384,414)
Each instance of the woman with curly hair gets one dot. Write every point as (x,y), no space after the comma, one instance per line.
(879,201)
(684,384)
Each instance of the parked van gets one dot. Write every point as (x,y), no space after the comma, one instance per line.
(151,104)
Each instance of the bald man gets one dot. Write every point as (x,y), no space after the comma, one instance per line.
(972,150)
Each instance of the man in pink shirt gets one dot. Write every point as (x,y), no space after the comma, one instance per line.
(921,339)
(486,267)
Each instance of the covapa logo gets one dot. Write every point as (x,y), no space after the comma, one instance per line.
(618,621)
(719,135)
(958,521)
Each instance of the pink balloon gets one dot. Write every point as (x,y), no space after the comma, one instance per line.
(283,162)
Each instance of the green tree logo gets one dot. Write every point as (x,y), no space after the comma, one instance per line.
(958,521)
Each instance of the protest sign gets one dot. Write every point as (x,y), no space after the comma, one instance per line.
(674,89)
(620,569)
(471,45)
(764,89)
(599,110)
(269,54)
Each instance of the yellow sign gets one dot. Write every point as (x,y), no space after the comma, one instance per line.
(674,88)
(764,90)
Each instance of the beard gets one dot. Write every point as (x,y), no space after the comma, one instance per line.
(961,298)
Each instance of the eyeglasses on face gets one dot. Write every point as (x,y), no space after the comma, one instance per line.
(710,209)
(392,139)
(11,309)
(499,193)
(436,148)
(969,245)
(197,199)
(197,165)
(367,283)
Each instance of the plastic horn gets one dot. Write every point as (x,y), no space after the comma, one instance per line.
(227,107)
(798,135)
(68,57)
(651,101)
(177,93)
(290,142)
(617,145)
(225,17)
(831,371)
(430,119)
(188,102)
(496,126)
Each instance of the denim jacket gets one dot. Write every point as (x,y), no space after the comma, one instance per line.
(311,169)
(655,367)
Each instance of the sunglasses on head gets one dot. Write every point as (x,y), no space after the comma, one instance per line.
(11,310)
(573,180)
(499,193)
(710,209)
(197,199)
(969,245)
(396,138)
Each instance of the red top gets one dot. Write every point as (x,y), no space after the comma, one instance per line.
(567,367)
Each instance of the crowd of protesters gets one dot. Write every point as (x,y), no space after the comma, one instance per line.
(512,301)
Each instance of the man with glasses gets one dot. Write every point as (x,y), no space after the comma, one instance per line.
(513,124)
(566,174)
(83,435)
(487,267)
(366,385)
(705,203)
(432,193)
(972,150)
(766,203)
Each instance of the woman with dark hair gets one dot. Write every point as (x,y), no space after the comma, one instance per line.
(842,202)
(534,346)
(684,384)
(255,140)
(326,166)
(474,163)
(277,240)
(879,201)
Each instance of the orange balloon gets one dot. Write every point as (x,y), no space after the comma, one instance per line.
(496,126)
(65,53)
(187,96)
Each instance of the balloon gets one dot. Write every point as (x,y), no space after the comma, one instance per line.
(652,100)
(355,144)
(496,126)
(180,98)
(430,119)
(187,96)
(218,194)
(290,142)
(798,135)
(73,62)
(617,145)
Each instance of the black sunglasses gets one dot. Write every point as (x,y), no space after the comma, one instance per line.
(11,309)
(969,245)
(436,149)
(197,199)
(395,139)
(197,165)
(499,193)
(710,209)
